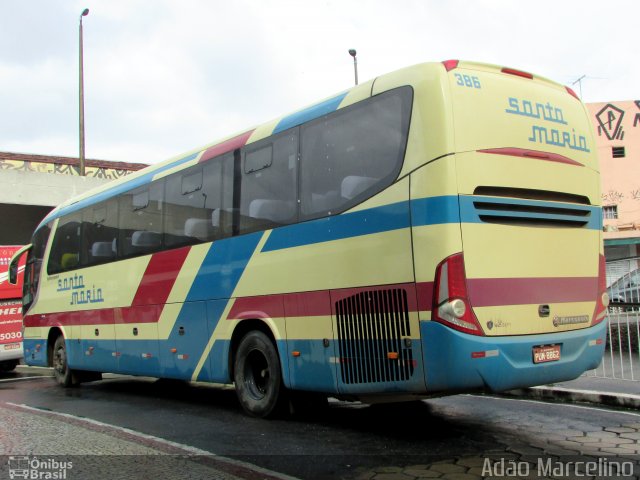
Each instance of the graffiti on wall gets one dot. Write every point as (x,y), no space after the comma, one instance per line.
(40,167)
(610,118)
(612,197)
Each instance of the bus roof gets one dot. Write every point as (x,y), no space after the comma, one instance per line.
(231,143)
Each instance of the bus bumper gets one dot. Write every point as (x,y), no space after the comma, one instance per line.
(456,361)
(11,351)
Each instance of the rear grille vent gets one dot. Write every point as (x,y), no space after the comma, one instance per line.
(531,194)
(531,213)
(373,328)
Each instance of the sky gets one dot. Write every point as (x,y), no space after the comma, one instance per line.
(162,77)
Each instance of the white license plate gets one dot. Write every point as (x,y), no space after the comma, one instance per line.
(546,354)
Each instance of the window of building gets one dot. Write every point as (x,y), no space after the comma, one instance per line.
(610,212)
(618,152)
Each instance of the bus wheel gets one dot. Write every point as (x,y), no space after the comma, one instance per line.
(8,366)
(257,375)
(61,370)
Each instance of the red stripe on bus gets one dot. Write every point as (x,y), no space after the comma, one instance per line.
(488,292)
(159,277)
(306,304)
(105,316)
(425,296)
(337,295)
(264,306)
(226,146)
(85,317)
(142,314)
(533,154)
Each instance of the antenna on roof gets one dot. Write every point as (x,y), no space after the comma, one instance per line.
(579,82)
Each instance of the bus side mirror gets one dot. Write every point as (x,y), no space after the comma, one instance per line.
(13,264)
(13,273)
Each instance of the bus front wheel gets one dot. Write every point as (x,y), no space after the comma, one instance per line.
(257,375)
(61,371)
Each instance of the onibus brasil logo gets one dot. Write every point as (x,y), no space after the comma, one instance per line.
(34,468)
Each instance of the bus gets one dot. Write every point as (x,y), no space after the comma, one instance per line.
(10,312)
(431,231)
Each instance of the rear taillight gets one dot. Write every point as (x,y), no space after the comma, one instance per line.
(517,73)
(450,64)
(451,304)
(602,301)
(572,93)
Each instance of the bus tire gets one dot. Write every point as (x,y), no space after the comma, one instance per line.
(61,371)
(8,366)
(257,375)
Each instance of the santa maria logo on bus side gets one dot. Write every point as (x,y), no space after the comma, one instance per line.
(550,126)
(79,293)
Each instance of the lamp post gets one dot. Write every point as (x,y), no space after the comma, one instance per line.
(84,13)
(352,52)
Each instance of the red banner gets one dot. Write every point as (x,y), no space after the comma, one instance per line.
(10,321)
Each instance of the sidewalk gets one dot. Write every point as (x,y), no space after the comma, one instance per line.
(588,389)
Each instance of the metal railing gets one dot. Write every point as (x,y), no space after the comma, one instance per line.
(622,354)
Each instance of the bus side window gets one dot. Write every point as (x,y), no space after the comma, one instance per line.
(269,183)
(66,248)
(352,154)
(140,220)
(100,231)
(34,266)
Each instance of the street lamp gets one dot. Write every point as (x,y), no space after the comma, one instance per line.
(85,12)
(352,52)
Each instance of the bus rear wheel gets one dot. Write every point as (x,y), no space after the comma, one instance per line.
(257,375)
(61,371)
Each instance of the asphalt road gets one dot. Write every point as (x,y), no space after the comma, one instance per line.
(448,436)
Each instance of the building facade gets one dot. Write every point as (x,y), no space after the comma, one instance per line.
(617,133)
(32,185)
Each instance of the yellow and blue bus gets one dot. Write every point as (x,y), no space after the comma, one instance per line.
(433,230)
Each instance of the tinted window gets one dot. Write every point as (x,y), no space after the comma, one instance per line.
(34,266)
(198,203)
(100,233)
(353,153)
(140,220)
(218,188)
(66,247)
(268,189)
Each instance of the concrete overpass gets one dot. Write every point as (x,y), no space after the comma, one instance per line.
(32,185)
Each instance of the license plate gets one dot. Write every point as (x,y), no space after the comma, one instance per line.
(12,346)
(546,354)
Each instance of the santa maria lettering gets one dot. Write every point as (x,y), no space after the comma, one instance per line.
(555,131)
(79,293)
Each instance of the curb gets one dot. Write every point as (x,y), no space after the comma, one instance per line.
(624,400)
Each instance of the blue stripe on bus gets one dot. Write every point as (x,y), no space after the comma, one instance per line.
(309,113)
(473,207)
(215,283)
(424,212)
(435,210)
(116,190)
(339,227)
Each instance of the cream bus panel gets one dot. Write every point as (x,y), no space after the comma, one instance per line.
(496,110)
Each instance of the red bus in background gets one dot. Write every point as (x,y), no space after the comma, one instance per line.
(10,312)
